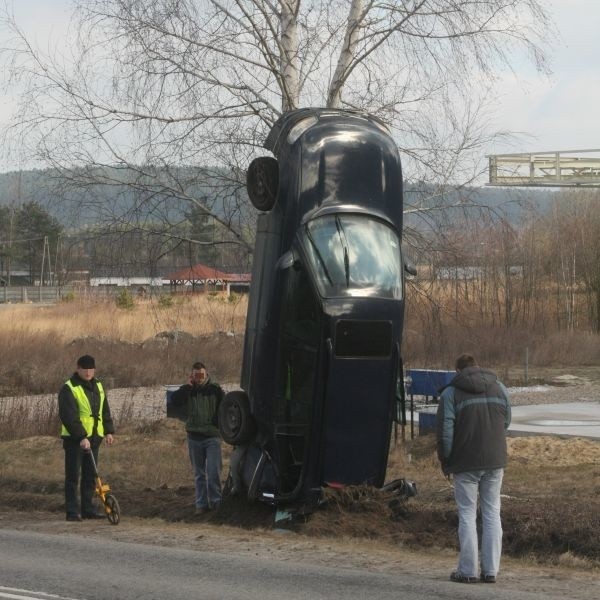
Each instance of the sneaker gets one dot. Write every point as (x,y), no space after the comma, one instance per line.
(458,577)
(215,507)
(488,578)
(71,517)
(201,510)
(93,516)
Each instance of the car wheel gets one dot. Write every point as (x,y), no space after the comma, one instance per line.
(262,180)
(236,424)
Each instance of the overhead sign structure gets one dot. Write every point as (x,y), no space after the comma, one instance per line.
(559,168)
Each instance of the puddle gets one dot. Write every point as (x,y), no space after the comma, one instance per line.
(561,423)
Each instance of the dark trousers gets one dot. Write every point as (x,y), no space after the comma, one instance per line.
(79,473)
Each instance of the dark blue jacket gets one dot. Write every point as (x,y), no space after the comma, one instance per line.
(472,418)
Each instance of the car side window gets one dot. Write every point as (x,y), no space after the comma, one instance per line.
(299,346)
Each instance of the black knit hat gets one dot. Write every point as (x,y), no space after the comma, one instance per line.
(86,362)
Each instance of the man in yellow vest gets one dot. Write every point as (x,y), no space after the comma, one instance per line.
(86,420)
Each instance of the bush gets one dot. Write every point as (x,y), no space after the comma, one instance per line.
(124,300)
(165,301)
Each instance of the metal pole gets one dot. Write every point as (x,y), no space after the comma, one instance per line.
(412,420)
(526,364)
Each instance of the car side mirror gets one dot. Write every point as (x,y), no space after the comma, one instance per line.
(410,268)
(285,261)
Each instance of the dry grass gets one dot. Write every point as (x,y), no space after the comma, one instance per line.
(428,346)
(39,344)
(18,419)
(198,315)
(148,345)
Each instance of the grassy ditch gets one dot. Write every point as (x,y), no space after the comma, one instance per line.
(551,514)
(551,504)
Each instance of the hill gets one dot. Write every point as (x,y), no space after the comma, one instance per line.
(162,196)
(85,198)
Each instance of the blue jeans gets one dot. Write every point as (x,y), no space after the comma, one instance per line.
(466,487)
(205,456)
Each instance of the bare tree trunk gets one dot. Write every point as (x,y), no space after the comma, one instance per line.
(289,54)
(347,54)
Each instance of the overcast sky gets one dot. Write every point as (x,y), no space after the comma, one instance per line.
(559,112)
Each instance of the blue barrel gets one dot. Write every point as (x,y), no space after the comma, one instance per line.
(427,382)
(171,410)
(427,420)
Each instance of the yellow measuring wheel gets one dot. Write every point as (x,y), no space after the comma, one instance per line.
(111,506)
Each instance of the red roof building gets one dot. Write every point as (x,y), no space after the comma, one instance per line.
(202,275)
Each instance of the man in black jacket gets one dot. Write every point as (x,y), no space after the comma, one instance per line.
(86,420)
(472,418)
(201,399)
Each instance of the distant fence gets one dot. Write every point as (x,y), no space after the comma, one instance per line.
(52,294)
(34,293)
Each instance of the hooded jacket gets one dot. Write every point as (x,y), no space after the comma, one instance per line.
(472,418)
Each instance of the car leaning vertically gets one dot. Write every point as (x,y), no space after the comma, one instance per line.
(324,326)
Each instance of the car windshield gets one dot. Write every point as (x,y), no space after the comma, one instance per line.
(354,255)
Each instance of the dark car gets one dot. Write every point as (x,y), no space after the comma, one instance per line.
(324,325)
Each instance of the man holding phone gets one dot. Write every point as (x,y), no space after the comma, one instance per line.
(201,398)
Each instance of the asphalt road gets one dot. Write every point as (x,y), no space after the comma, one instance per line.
(34,565)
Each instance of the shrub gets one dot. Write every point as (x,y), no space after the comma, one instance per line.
(124,300)
(165,301)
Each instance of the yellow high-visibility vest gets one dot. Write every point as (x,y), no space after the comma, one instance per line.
(85,410)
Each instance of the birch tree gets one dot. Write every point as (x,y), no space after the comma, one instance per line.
(172,95)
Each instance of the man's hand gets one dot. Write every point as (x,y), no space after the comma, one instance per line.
(109,439)
(85,445)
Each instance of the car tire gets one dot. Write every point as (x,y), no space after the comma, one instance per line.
(236,423)
(262,180)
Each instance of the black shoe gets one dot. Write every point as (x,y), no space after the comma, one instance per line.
(458,577)
(73,518)
(201,510)
(93,516)
(488,578)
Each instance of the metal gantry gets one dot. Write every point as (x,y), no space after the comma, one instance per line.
(557,168)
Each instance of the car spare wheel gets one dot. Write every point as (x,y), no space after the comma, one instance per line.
(236,424)
(262,180)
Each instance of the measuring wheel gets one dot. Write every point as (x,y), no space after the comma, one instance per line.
(111,507)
